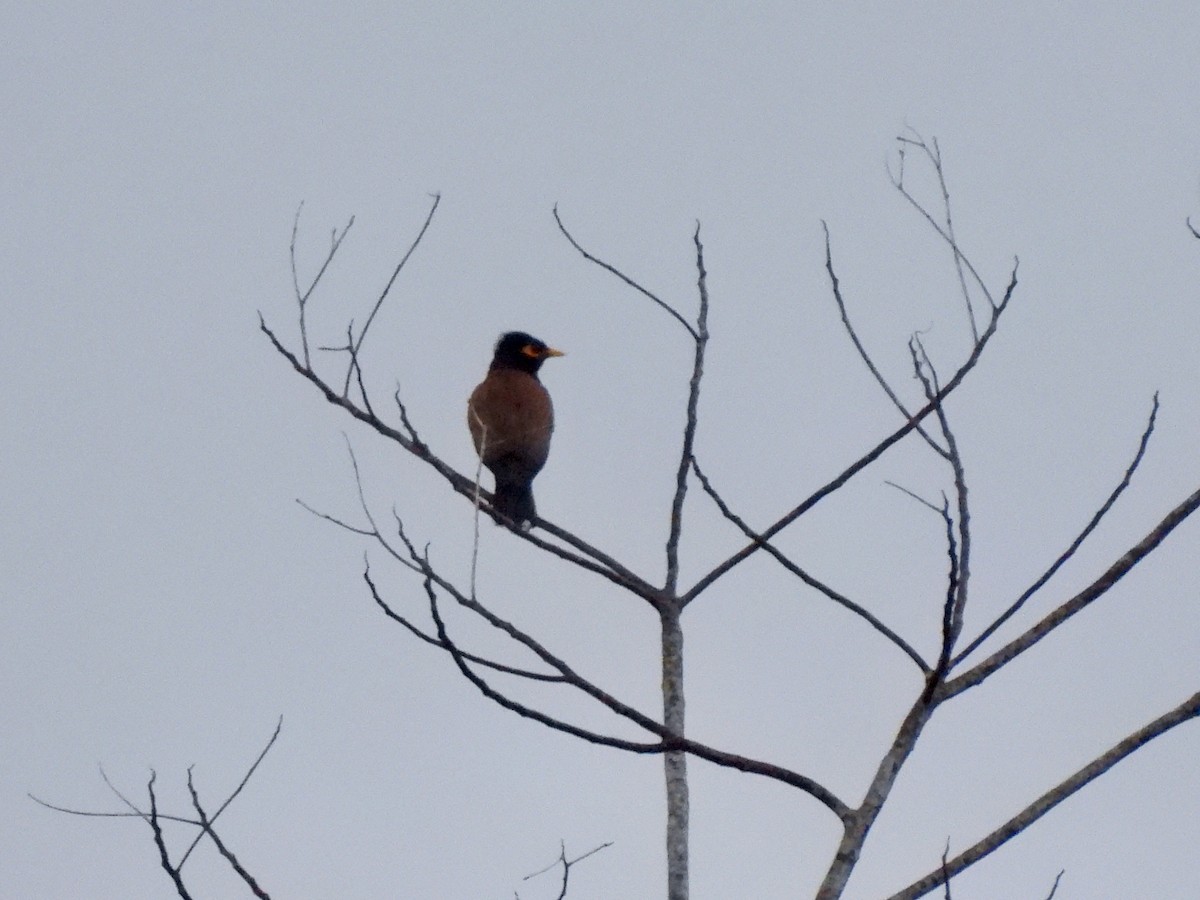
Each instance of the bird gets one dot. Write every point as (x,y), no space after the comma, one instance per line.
(511,418)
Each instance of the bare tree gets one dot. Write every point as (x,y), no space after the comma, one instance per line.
(203,821)
(962,662)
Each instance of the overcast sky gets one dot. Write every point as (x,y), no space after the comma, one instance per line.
(164,600)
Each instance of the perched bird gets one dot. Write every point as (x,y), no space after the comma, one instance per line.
(511,418)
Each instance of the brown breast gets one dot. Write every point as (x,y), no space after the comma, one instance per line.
(510,413)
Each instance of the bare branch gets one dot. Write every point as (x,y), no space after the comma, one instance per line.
(915,496)
(112,787)
(470,657)
(335,520)
(1192,228)
(838,598)
(1054,887)
(356,345)
(404,420)
(362,388)
(942,232)
(835,285)
(934,154)
(481,451)
(625,278)
(939,672)
(570,676)
(1186,711)
(134,814)
(1075,544)
(303,297)
(960,550)
(689,430)
(1097,588)
(164,858)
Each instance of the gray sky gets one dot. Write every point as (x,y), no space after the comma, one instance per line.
(164,599)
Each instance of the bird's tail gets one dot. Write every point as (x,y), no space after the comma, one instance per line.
(514,501)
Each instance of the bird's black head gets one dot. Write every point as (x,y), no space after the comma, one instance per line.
(518,350)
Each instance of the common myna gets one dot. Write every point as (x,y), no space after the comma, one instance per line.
(511,418)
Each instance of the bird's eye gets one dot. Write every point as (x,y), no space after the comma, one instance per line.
(531,351)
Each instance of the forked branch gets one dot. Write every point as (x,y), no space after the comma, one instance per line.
(645,292)
(566,866)
(1040,582)
(1081,600)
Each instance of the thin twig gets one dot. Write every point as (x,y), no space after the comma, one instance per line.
(934,154)
(1054,887)
(625,278)
(302,298)
(476,499)
(406,422)
(366,532)
(135,814)
(915,496)
(916,204)
(356,344)
(835,285)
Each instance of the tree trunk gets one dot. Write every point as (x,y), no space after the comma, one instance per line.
(675,762)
